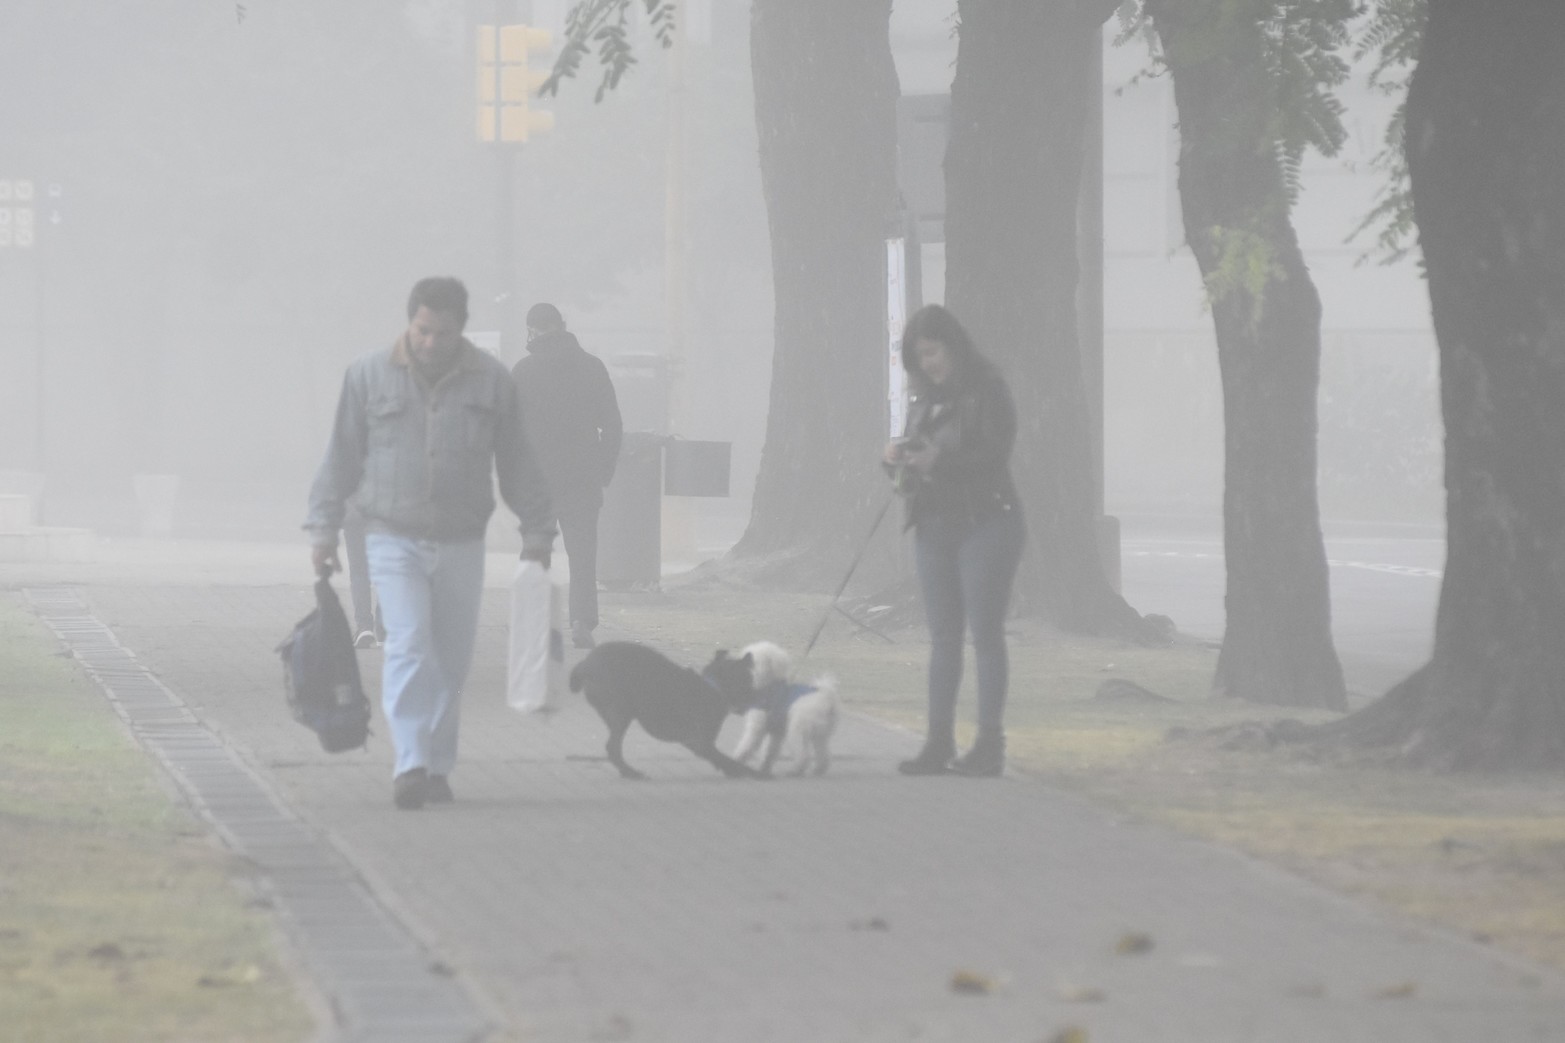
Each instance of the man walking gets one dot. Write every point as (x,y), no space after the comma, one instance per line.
(421,429)
(573,423)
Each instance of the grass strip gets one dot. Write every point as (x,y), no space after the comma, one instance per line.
(119,918)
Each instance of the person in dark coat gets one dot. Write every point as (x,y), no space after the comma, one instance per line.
(573,425)
(953,465)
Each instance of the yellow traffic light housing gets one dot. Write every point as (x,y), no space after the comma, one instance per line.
(506,84)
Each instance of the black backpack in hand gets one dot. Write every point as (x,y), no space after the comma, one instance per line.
(321,675)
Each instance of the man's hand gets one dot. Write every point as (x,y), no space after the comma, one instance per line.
(324,559)
(542,557)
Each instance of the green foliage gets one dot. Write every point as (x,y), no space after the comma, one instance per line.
(1302,45)
(1246,265)
(606,24)
(1393,33)
(1304,41)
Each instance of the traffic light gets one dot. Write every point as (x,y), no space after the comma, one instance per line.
(506,84)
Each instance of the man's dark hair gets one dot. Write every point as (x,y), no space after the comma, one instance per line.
(545,317)
(439,293)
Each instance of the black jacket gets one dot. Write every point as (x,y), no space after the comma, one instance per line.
(973,425)
(570,412)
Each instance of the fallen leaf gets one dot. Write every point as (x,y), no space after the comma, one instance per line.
(618,1027)
(970,983)
(1402,990)
(1133,943)
(1070,1034)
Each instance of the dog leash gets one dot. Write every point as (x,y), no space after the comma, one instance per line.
(852,567)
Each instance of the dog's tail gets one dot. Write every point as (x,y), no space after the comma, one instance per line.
(579,675)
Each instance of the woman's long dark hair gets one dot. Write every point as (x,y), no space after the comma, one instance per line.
(932,322)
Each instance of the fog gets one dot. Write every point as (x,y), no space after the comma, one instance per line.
(230,202)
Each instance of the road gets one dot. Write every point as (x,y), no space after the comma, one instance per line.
(1385,584)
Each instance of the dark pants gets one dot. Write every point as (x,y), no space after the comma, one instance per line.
(577,512)
(364,615)
(965,570)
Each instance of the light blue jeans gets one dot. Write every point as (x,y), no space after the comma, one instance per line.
(429,594)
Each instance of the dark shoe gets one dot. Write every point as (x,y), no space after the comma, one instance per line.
(933,759)
(984,761)
(410,790)
(439,790)
(581,637)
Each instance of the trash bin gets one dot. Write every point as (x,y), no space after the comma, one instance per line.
(630,526)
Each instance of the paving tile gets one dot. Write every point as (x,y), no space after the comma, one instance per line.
(693,908)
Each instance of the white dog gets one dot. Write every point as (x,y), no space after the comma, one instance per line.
(801,715)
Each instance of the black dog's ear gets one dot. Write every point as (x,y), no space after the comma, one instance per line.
(748,659)
(722,653)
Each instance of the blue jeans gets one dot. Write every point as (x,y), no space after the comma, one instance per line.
(429,594)
(965,570)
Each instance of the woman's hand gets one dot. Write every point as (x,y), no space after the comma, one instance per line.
(920,457)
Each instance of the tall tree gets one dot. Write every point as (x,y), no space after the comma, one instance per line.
(1013,169)
(1252,83)
(825,105)
(1485,142)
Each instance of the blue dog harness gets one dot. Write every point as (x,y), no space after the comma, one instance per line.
(776,699)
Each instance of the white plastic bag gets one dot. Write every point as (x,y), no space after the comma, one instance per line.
(535,679)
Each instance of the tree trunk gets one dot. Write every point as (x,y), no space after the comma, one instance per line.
(1277,648)
(825,102)
(1013,170)
(1485,149)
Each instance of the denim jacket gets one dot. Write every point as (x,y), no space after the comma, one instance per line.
(420,459)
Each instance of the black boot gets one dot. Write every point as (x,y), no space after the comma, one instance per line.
(985,760)
(933,759)
(410,790)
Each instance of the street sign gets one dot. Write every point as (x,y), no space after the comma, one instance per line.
(896,319)
(16,213)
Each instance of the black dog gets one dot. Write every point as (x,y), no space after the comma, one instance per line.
(627,682)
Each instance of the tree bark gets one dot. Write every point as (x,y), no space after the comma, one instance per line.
(1485,149)
(1277,648)
(1013,170)
(825,101)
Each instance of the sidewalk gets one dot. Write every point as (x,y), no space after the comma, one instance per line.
(576,906)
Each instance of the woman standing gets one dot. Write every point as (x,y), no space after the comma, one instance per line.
(953,465)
